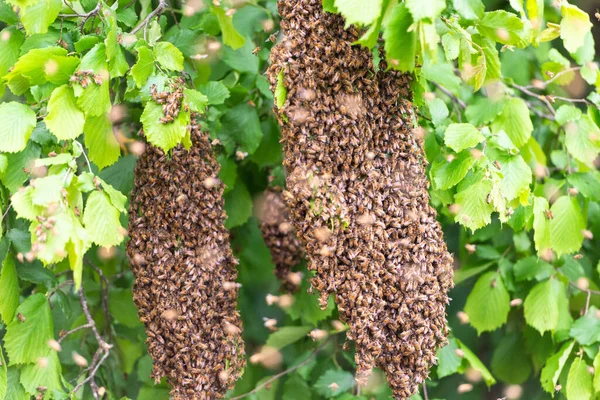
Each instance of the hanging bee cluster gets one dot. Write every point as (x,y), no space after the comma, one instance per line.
(358,195)
(171,100)
(185,272)
(280,237)
(84,78)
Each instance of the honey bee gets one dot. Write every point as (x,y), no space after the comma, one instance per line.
(256,50)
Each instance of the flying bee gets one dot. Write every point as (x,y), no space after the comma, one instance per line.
(256,50)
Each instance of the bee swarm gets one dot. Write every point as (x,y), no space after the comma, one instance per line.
(280,237)
(359,195)
(182,261)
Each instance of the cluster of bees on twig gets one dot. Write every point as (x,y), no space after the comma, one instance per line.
(185,272)
(171,100)
(358,195)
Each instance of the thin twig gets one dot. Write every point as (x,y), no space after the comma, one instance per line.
(542,98)
(283,373)
(425,396)
(64,335)
(92,372)
(448,93)
(58,287)
(554,78)
(87,160)
(104,287)
(144,24)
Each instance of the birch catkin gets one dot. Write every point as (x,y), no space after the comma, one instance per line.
(359,195)
(185,271)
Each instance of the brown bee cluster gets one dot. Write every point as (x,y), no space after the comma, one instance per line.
(280,237)
(84,78)
(358,195)
(171,100)
(185,272)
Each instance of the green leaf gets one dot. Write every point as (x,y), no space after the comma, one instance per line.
(166,136)
(287,335)
(448,174)
(49,375)
(451,45)
(476,364)
(280,90)
(358,11)
(588,184)
(93,100)
(542,303)
(295,388)
(38,66)
(101,220)
(579,381)
(3,375)
(306,307)
(566,113)
(462,136)
(9,287)
(241,59)
(586,329)
(129,353)
(400,42)
(516,176)
(427,9)
(15,390)
(510,362)
(554,366)
(242,124)
(530,268)
(122,307)
(343,380)
(574,26)
(472,200)
(10,46)
(596,381)
(484,110)
(231,37)
(506,28)
(567,226)
(168,56)
(47,190)
(541,225)
(449,361)
(195,100)
(238,205)
(514,121)
(488,303)
(469,9)
(438,110)
(16,124)
(582,138)
(144,67)
(216,92)
(26,341)
(39,15)
(65,120)
(442,74)
(15,174)
(103,147)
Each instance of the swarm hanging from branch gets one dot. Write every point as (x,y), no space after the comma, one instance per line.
(185,271)
(359,195)
(280,237)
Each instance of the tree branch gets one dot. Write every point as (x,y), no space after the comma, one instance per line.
(144,24)
(448,93)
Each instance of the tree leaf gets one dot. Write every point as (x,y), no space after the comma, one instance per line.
(49,375)
(295,388)
(506,28)
(541,307)
(280,90)
(596,381)
(144,67)
(65,120)
(93,100)
(553,368)
(567,225)
(484,110)
(515,121)
(579,381)
(238,205)
(168,56)
(582,138)
(231,37)
(101,220)
(427,9)
(488,303)
(574,26)
(26,341)
(472,200)
(15,390)
(343,380)
(567,113)
(449,361)
(400,42)
(516,177)
(9,287)
(3,375)
(216,92)
(462,136)
(39,15)
(510,362)
(476,364)
(103,147)
(586,329)
(168,135)
(242,124)
(358,11)
(469,9)
(195,100)
(448,174)
(16,124)
(541,225)
(530,268)
(287,335)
